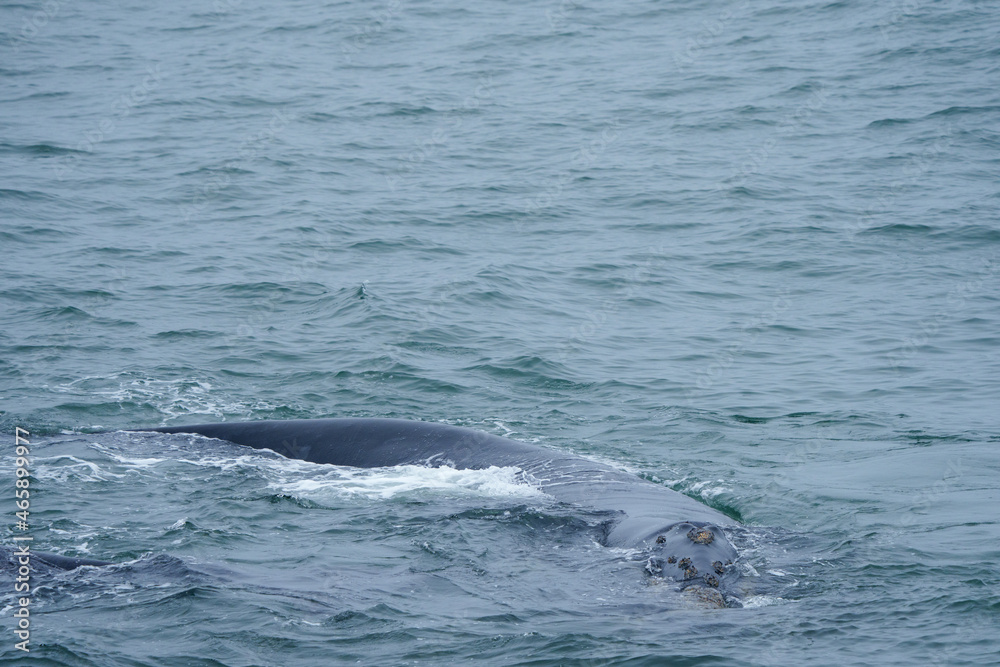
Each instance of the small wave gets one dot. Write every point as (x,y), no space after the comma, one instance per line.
(171,398)
(40,149)
(67,468)
(961,111)
(126,461)
(890,122)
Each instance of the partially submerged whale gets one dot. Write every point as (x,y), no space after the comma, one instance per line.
(12,559)
(683,538)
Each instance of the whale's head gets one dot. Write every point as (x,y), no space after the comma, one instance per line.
(697,555)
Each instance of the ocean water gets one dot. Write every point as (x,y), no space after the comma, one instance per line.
(748,251)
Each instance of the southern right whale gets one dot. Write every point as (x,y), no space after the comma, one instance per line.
(683,539)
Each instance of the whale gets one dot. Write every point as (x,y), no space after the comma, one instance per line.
(11,559)
(681,539)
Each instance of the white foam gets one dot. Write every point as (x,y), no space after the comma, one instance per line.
(758,601)
(707,491)
(384,483)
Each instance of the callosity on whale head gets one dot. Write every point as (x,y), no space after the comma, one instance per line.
(694,553)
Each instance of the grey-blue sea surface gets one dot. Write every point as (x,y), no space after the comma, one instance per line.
(746,250)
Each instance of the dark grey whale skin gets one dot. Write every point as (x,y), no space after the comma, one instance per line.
(683,537)
(10,559)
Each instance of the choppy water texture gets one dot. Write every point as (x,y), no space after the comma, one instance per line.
(746,250)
